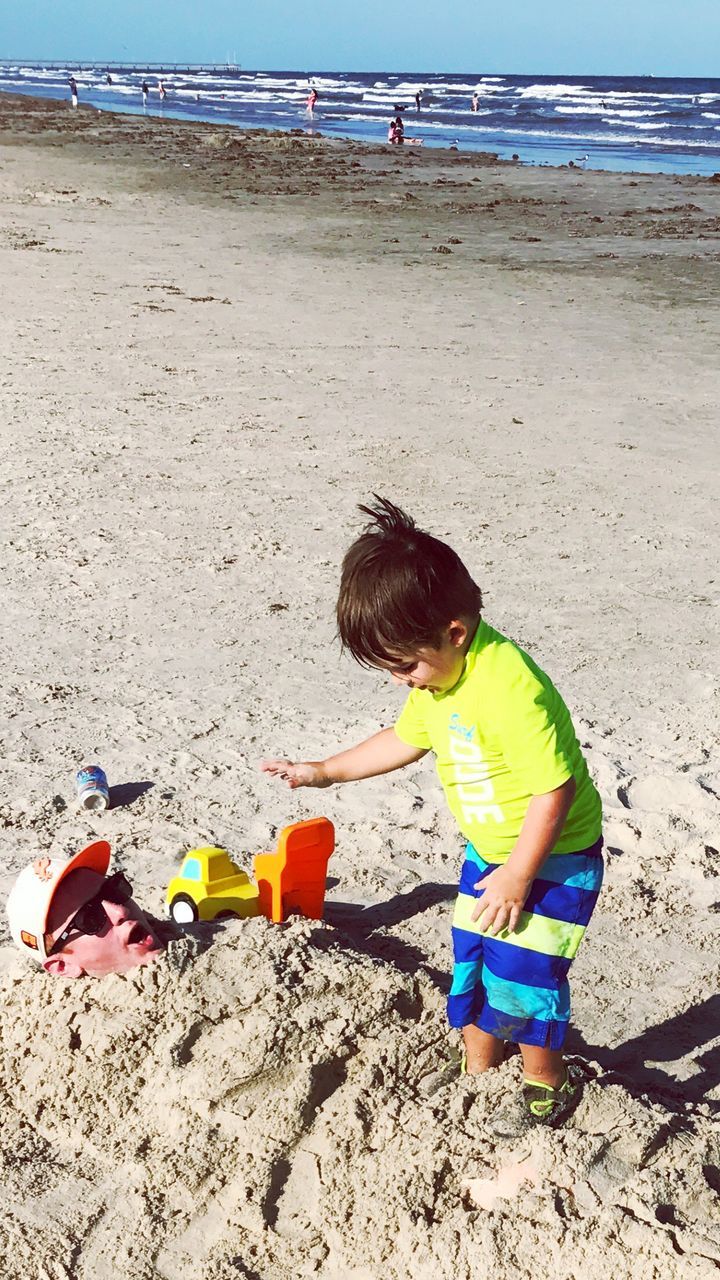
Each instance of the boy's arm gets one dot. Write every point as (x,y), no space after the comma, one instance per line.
(380,754)
(506,888)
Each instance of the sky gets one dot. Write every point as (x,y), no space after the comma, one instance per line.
(580,37)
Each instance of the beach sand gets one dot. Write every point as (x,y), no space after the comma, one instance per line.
(214,346)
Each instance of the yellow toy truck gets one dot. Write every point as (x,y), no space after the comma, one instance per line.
(210,887)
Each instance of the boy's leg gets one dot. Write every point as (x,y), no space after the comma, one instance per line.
(543,1066)
(482,1051)
(467,995)
(527,974)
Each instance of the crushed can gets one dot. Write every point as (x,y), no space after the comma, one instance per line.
(92,787)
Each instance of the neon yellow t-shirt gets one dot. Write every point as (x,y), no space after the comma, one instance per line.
(501,736)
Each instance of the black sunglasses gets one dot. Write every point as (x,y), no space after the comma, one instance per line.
(92,916)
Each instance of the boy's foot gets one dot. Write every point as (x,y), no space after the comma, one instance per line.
(448,1074)
(538,1104)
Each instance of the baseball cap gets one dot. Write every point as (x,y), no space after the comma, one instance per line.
(30,899)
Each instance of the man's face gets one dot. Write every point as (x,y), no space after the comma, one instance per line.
(126,939)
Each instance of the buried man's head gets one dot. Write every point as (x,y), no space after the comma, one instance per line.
(76,921)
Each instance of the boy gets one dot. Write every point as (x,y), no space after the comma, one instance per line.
(513,776)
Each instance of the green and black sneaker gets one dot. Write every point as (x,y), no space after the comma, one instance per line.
(538,1104)
(552,1106)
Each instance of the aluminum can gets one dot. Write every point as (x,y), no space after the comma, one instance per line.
(92,787)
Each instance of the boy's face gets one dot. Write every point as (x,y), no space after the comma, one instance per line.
(436,669)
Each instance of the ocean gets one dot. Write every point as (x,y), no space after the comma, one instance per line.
(639,123)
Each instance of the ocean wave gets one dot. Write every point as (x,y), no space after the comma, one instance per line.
(386,98)
(624,112)
(600,138)
(553,90)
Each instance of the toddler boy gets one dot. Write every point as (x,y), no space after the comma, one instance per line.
(514,777)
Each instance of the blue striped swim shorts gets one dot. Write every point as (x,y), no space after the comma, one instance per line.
(515,985)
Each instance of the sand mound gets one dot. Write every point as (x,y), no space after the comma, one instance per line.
(269,1102)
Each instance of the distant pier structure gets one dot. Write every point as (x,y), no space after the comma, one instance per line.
(135,68)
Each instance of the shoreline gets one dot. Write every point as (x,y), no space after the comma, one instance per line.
(81,125)
(710,168)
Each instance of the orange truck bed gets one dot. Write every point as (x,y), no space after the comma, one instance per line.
(294,877)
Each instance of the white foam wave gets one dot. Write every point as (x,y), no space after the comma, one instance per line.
(321,82)
(627,114)
(553,90)
(482,88)
(383,98)
(590,109)
(380,118)
(586,138)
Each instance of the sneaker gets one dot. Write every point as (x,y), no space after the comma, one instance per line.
(538,1104)
(552,1106)
(436,1080)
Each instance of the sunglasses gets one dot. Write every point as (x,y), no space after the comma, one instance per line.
(92,916)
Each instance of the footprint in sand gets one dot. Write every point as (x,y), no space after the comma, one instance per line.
(659,794)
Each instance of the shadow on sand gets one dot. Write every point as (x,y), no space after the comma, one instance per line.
(127,793)
(665,1042)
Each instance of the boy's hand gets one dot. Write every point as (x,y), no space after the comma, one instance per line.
(503,897)
(306,773)
(381,753)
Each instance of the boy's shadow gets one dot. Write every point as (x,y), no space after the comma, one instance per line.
(665,1042)
(360,925)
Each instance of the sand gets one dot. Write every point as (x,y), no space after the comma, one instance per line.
(215,344)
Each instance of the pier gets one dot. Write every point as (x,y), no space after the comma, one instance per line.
(134,68)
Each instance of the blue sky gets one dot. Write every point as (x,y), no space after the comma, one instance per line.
(595,37)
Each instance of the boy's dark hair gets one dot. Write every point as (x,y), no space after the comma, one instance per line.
(399,588)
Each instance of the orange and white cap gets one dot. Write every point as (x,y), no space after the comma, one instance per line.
(30,899)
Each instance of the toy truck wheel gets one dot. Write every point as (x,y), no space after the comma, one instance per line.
(183,909)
